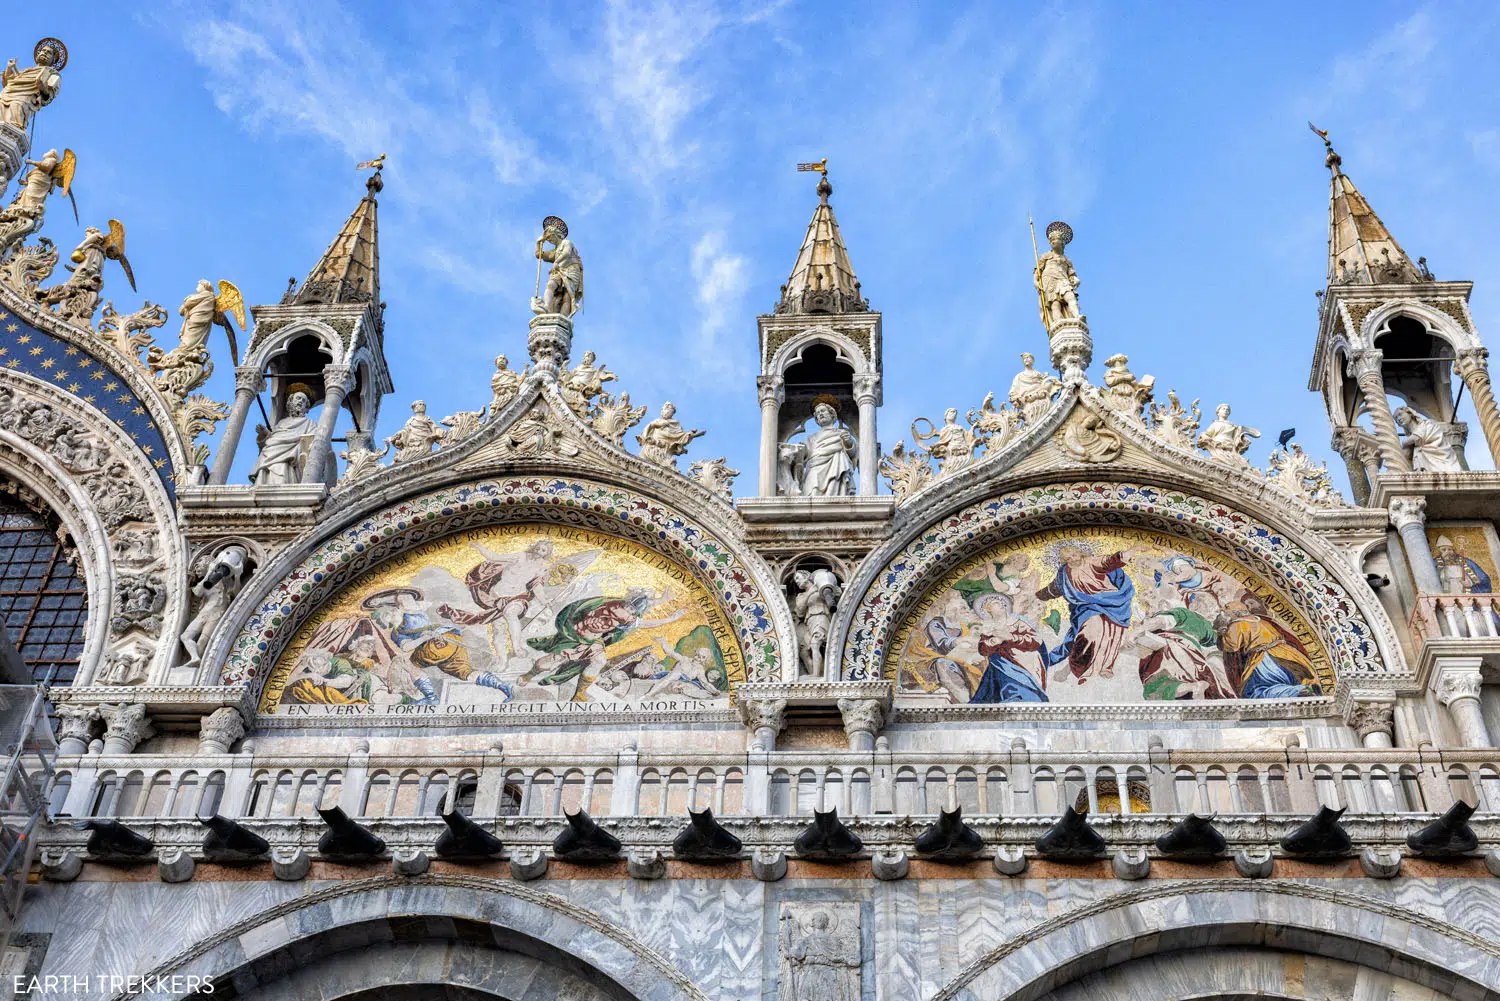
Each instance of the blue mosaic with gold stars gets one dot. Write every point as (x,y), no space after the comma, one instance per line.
(23,348)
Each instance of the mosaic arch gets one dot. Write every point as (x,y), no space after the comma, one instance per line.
(521,613)
(666,542)
(1091,615)
(1299,594)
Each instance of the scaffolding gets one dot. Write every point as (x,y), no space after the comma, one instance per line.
(30,750)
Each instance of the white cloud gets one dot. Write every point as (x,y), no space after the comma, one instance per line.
(720,280)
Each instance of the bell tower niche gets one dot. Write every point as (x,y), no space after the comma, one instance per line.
(820,371)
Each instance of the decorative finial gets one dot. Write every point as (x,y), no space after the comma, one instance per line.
(1332,159)
(821,166)
(374,183)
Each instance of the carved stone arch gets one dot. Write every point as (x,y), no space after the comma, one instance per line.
(393,908)
(1317,580)
(847,349)
(110,496)
(1169,918)
(277,342)
(1440,324)
(285,593)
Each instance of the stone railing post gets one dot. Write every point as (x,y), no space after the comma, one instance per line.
(625,793)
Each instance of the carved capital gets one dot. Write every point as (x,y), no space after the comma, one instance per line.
(768,714)
(862,716)
(1346,443)
(1472,363)
(1365,364)
(338,376)
(250,379)
(1408,511)
(126,725)
(219,730)
(1454,684)
(865,387)
(771,389)
(75,723)
(1366,718)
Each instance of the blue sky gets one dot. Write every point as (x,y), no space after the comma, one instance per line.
(1173,139)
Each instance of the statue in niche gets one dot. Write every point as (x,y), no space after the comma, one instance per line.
(1031,391)
(823,465)
(1056,281)
(820,952)
(1426,443)
(284,448)
(664,439)
(952,444)
(1225,440)
(505,384)
(817,598)
(417,435)
(563,294)
(217,589)
(24,92)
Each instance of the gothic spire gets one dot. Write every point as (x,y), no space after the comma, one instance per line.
(349,270)
(822,280)
(1361,251)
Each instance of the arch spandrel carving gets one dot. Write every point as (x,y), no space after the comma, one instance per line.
(1315,585)
(304,577)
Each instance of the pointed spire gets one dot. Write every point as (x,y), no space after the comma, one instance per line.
(1361,251)
(349,270)
(822,280)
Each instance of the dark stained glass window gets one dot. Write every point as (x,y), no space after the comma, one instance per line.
(43,600)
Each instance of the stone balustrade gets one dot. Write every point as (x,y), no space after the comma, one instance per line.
(1455,616)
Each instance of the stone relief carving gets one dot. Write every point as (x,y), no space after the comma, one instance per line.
(139,600)
(664,439)
(461,425)
(613,417)
(1174,424)
(127,666)
(1088,439)
(715,474)
(820,951)
(907,472)
(417,436)
(216,590)
(197,416)
(28,267)
(818,593)
(129,332)
(1294,472)
(359,459)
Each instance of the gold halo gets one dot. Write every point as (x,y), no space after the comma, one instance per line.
(300,387)
(56,44)
(828,398)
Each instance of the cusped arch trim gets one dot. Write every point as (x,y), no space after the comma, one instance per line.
(851,352)
(263,620)
(504,904)
(1172,915)
(1442,324)
(893,583)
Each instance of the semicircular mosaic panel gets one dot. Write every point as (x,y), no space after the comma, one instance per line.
(513,614)
(1105,615)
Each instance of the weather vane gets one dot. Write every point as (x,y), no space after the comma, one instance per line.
(821,166)
(376,164)
(1321,134)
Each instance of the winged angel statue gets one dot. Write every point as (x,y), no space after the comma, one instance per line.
(78,297)
(187,366)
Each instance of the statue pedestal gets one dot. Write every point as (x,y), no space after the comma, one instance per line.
(549,341)
(14,145)
(1072,348)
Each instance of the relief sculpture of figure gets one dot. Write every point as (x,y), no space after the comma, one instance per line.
(664,439)
(417,435)
(1426,444)
(564,291)
(823,465)
(284,448)
(820,959)
(1031,391)
(817,598)
(24,92)
(217,589)
(1225,440)
(1056,281)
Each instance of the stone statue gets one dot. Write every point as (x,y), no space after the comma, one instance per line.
(823,465)
(1225,440)
(564,291)
(715,474)
(1426,444)
(817,598)
(505,384)
(417,435)
(1088,438)
(360,460)
(613,417)
(217,589)
(461,425)
(284,448)
(664,439)
(128,332)
(820,952)
(1174,424)
(1056,281)
(24,92)
(952,444)
(78,296)
(187,366)
(1122,390)
(1031,391)
(581,384)
(992,424)
(24,215)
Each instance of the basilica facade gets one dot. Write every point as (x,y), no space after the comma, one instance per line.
(1058,696)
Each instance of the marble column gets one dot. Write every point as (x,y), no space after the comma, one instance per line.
(74,726)
(126,725)
(336,380)
(863,719)
(764,718)
(1473,369)
(1346,444)
(248,381)
(1365,367)
(772,394)
(865,394)
(1458,686)
(1409,515)
(1374,720)
(218,731)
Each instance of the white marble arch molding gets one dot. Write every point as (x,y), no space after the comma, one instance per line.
(1171,917)
(1312,576)
(284,594)
(515,916)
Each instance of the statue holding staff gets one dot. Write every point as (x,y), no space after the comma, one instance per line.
(563,293)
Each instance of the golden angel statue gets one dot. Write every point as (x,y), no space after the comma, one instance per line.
(78,296)
(24,215)
(187,366)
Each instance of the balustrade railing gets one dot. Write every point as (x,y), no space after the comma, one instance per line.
(1455,616)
